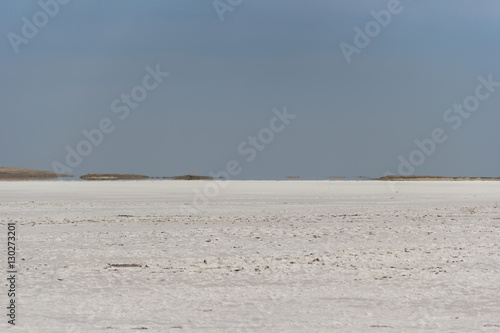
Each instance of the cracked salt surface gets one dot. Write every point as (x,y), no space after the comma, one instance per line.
(290,256)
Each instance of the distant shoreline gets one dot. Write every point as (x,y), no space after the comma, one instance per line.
(117,176)
(19,174)
(432,178)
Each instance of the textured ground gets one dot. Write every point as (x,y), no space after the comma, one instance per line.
(290,256)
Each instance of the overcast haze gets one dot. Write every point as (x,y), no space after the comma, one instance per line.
(226,77)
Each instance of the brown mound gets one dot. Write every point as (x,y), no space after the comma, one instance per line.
(190,177)
(111,176)
(16,174)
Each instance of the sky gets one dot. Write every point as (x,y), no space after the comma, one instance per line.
(264,89)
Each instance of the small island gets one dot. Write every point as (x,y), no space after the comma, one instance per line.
(190,177)
(19,174)
(112,176)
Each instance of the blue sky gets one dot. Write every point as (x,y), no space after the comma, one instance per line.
(226,77)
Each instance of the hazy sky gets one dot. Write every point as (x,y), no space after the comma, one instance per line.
(75,71)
